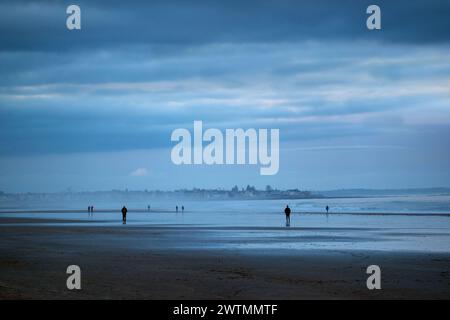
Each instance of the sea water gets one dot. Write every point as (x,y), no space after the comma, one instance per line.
(403,223)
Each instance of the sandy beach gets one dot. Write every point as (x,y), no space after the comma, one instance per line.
(166,261)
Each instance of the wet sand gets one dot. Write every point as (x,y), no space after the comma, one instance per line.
(158,262)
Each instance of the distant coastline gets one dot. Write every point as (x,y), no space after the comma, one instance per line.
(236,193)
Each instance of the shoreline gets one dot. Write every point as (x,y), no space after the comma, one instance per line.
(131,210)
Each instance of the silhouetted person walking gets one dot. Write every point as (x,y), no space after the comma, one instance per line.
(124,215)
(182,209)
(287,212)
(148,208)
(327,208)
(176,209)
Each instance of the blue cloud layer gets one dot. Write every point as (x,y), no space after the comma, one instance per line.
(139,70)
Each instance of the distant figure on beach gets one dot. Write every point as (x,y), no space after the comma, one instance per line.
(148,208)
(89,209)
(176,209)
(287,212)
(182,209)
(124,215)
(327,208)
(92,208)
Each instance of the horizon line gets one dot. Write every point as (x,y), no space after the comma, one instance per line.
(229,190)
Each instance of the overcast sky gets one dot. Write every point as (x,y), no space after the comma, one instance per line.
(94,109)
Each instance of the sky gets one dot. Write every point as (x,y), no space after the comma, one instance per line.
(94,109)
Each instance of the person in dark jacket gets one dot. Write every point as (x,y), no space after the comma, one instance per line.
(287,212)
(124,215)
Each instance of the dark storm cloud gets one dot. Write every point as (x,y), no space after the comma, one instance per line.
(139,69)
(40,25)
